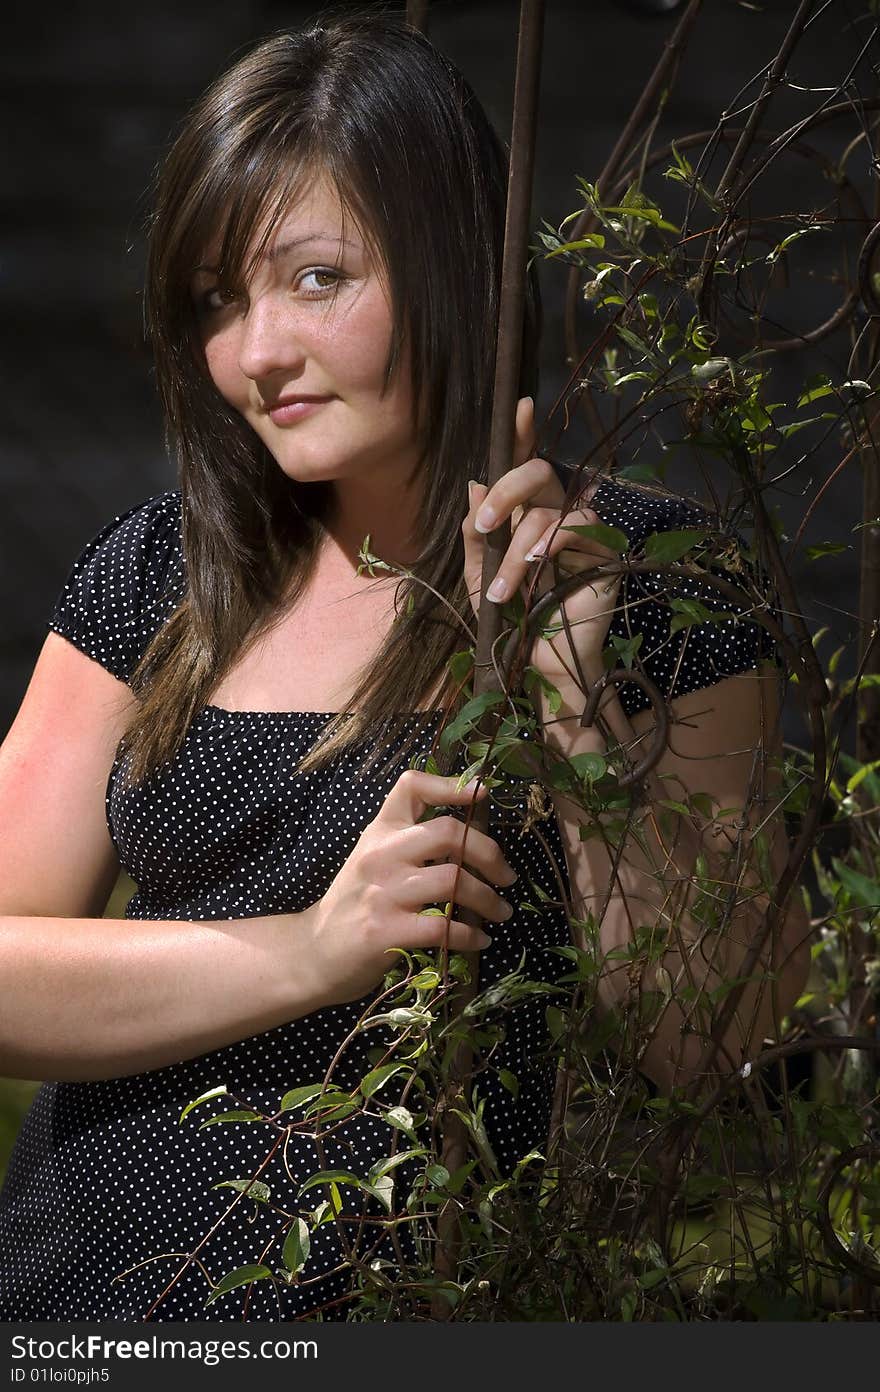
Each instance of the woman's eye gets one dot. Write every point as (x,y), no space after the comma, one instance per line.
(216,299)
(319,280)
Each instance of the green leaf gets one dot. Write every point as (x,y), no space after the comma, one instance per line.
(456,1181)
(424,763)
(469,716)
(794,426)
(583,244)
(382,1190)
(295,1252)
(773,256)
(861,774)
(205,1097)
(297,1096)
(624,649)
(243,1276)
(509,1080)
(633,341)
(637,473)
(826,548)
(378,1078)
(589,766)
(461,664)
(224,1117)
(815,387)
(556,1021)
(336,1112)
(627,377)
(438,1175)
(533,677)
(255,1188)
(390,1162)
(863,890)
(426,980)
(665,547)
(330,1177)
(648,214)
(329,1100)
(711,368)
(704,804)
(403,1120)
(611,537)
(691,611)
(402,1016)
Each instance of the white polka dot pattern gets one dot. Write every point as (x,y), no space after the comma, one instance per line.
(102,1176)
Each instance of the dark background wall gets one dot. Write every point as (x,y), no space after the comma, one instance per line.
(89,96)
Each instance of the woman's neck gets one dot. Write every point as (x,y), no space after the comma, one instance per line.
(363,510)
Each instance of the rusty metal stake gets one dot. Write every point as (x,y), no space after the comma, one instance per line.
(507,375)
(417,15)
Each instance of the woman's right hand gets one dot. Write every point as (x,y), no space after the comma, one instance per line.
(378,898)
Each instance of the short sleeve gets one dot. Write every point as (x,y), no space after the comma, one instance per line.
(693,657)
(124,585)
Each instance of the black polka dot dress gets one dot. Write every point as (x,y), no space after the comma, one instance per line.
(104,1179)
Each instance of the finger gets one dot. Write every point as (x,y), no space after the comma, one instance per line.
(524,431)
(476,493)
(415,791)
(540,535)
(565,535)
(449,838)
(474,545)
(531,484)
(435,931)
(434,884)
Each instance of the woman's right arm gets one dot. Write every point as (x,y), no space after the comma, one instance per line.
(86,997)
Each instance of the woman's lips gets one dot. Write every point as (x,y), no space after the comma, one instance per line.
(289,412)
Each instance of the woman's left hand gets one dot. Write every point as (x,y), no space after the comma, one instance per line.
(531,497)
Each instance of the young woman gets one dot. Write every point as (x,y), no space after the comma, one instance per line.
(322,299)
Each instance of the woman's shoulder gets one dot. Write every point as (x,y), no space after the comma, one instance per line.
(639,511)
(125,582)
(685,632)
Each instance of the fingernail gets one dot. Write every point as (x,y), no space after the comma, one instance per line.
(537,551)
(485,520)
(484,940)
(497,590)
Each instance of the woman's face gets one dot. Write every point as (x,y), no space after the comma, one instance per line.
(301,354)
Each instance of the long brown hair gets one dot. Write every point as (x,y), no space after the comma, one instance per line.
(375,107)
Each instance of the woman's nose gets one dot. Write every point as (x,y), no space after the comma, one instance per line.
(269,340)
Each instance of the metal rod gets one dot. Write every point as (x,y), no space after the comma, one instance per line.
(508,357)
(417,15)
(661,78)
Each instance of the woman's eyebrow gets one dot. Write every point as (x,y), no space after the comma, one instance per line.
(277,253)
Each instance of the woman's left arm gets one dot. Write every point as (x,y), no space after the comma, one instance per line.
(723,742)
